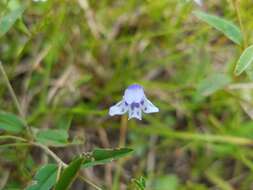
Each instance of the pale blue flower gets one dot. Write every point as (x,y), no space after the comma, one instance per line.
(134,102)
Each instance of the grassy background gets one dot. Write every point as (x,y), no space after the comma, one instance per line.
(69,62)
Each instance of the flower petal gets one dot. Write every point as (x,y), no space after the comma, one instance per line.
(148,107)
(135,113)
(133,93)
(118,109)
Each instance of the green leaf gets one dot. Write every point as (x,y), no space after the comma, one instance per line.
(103,156)
(53,137)
(45,178)
(140,183)
(244,61)
(167,182)
(64,122)
(226,27)
(22,26)
(213,83)
(8,20)
(10,122)
(69,174)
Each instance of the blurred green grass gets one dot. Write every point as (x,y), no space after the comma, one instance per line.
(66,61)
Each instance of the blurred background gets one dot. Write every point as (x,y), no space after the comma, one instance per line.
(70,60)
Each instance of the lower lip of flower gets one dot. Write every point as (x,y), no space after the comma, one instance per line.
(135,105)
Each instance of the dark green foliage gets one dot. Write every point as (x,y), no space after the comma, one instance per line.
(10,122)
(53,137)
(45,178)
(103,156)
(69,174)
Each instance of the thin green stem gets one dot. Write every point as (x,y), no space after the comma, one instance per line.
(59,172)
(236,4)
(14,145)
(51,153)
(14,98)
(122,143)
(116,178)
(218,181)
(13,95)
(4,137)
(123,131)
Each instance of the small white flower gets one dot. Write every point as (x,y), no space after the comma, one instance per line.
(134,102)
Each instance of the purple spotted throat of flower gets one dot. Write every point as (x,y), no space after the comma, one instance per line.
(134,102)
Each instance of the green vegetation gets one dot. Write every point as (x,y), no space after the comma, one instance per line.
(63,64)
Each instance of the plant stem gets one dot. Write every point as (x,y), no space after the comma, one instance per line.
(122,143)
(123,131)
(4,137)
(5,178)
(58,172)
(14,144)
(14,98)
(7,82)
(236,4)
(51,153)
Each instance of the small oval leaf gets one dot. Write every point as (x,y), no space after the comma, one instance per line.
(103,156)
(244,61)
(10,122)
(53,137)
(226,27)
(45,178)
(69,174)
